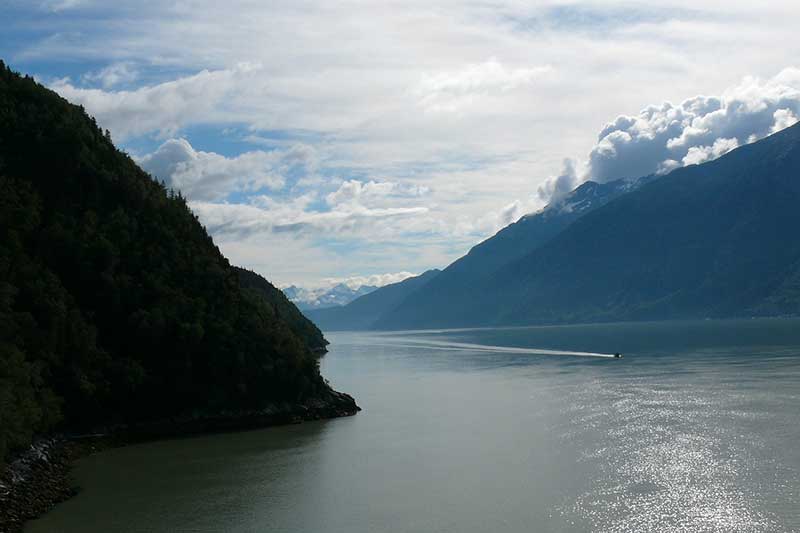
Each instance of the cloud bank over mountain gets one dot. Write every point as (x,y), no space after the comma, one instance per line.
(664,137)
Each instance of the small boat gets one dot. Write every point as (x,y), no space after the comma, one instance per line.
(617,355)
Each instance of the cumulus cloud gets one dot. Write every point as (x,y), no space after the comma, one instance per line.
(510,213)
(492,221)
(163,108)
(559,186)
(664,137)
(700,154)
(210,176)
(268,192)
(113,75)
(783,119)
(696,130)
(454,90)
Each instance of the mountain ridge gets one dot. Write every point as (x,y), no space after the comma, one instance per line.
(116,306)
(284,308)
(710,240)
(362,312)
(512,242)
(336,296)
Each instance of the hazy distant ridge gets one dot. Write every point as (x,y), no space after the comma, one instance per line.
(362,312)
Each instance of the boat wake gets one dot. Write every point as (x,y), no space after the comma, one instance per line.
(461,346)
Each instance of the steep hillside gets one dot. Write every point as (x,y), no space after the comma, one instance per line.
(449,296)
(115,304)
(284,309)
(714,240)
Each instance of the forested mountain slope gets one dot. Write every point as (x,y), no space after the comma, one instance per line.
(115,304)
(284,309)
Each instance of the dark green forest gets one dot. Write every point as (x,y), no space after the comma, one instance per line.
(285,309)
(115,304)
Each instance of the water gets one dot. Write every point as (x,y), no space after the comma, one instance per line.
(696,429)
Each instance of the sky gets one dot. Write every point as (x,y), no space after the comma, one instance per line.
(361,141)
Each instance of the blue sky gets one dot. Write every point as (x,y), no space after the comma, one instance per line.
(321,141)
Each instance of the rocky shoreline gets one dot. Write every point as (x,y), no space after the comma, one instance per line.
(34,482)
(38,479)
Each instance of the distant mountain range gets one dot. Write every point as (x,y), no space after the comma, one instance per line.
(362,312)
(435,290)
(711,240)
(336,296)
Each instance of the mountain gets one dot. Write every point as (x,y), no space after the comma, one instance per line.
(284,309)
(449,294)
(362,312)
(338,295)
(116,306)
(711,240)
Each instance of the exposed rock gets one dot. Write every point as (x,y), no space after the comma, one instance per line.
(34,482)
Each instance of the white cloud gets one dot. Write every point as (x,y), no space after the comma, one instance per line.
(664,137)
(289,217)
(455,90)
(374,192)
(356,282)
(561,185)
(783,119)
(491,222)
(700,154)
(211,176)
(376,280)
(449,95)
(209,179)
(113,75)
(163,108)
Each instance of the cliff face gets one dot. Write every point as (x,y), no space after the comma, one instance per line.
(116,307)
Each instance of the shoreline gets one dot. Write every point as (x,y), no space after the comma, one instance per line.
(38,479)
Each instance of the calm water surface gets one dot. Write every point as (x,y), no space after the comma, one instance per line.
(696,429)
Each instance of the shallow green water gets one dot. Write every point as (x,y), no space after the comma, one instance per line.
(696,429)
